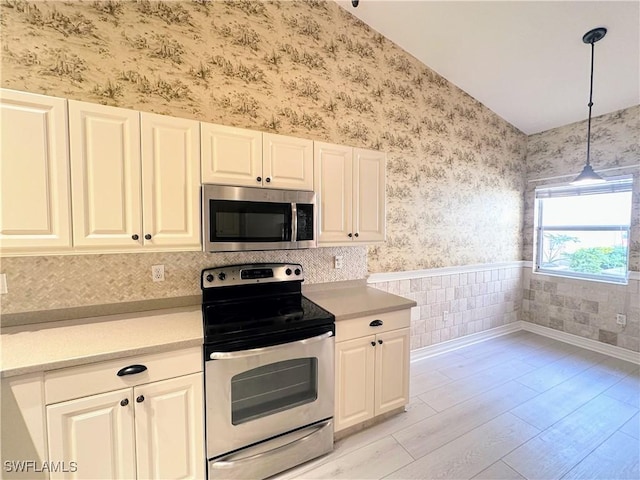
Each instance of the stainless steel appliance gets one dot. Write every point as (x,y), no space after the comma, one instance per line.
(269,371)
(244,218)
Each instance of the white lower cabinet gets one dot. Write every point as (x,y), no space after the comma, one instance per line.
(93,436)
(372,369)
(146,431)
(169,428)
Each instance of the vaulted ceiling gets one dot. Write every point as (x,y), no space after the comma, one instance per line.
(525,60)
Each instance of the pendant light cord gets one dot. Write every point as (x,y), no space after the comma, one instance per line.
(590,105)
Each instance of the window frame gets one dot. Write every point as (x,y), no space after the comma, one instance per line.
(613,185)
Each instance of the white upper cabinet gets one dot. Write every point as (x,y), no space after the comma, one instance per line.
(333,180)
(241,157)
(170,182)
(105,178)
(135,179)
(231,156)
(35,205)
(287,162)
(369,195)
(350,188)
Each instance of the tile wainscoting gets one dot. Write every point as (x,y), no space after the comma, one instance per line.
(584,308)
(457,301)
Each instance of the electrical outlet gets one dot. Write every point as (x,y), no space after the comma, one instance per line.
(157,273)
(3,284)
(445,316)
(621,319)
(337,261)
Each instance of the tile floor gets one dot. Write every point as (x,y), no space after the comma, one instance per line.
(513,407)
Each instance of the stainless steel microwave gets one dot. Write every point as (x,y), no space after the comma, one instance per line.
(244,218)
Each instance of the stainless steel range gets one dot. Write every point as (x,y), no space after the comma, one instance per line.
(269,371)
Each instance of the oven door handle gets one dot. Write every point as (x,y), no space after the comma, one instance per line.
(263,350)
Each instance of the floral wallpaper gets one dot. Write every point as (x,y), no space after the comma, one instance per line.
(558,155)
(306,68)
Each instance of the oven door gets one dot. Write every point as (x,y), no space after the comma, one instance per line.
(253,395)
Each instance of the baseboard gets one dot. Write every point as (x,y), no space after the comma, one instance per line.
(589,344)
(456,343)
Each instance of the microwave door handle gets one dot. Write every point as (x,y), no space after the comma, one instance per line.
(294,222)
(264,350)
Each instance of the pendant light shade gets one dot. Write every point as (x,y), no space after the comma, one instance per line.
(588,176)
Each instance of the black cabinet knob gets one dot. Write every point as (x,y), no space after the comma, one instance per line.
(210,278)
(357,234)
(222,275)
(135,236)
(140,399)
(124,402)
(268,179)
(297,271)
(373,344)
(380,342)
(148,236)
(350,235)
(259,179)
(288,271)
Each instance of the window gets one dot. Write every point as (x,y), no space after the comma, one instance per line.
(583,231)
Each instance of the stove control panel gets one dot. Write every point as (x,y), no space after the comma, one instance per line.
(251,274)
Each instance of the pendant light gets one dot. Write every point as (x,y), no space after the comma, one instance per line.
(588,176)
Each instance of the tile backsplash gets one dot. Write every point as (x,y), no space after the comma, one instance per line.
(65,281)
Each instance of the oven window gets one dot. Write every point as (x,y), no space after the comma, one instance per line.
(239,221)
(273,388)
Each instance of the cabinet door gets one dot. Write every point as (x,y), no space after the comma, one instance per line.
(96,433)
(35,208)
(287,162)
(231,156)
(332,179)
(170,182)
(369,195)
(354,381)
(392,370)
(170,428)
(105,176)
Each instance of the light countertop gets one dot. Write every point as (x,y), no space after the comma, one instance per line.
(47,346)
(351,301)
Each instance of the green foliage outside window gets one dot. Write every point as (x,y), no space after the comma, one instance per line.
(597,259)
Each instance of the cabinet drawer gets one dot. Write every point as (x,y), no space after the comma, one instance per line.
(76,382)
(361,326)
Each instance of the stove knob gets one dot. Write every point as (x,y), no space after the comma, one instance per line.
(209,278)
(288,271)
(297,271)
(222,275)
